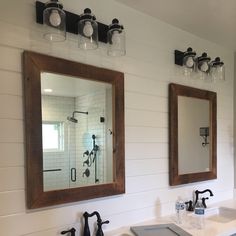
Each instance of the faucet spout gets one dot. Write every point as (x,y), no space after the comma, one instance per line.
(206,190)
(86,215)
(197,192)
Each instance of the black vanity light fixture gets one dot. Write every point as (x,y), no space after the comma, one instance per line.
(57,22)
(192,63)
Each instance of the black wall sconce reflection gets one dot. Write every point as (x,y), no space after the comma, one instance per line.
(57,22)
(204,133)
(203,64)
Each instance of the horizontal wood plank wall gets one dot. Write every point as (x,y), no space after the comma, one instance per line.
(148,69)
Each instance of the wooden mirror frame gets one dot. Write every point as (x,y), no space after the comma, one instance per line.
(33,65)
(175,178)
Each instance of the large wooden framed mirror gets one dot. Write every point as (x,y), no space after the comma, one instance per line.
(192,135)
(74,129)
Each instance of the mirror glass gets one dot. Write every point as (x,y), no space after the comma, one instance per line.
(192,134)
(74,131)
(77,131)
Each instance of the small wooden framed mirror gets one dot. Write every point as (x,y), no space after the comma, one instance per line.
(74,130)
(192,135)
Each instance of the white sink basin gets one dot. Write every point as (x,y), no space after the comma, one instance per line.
(221,214)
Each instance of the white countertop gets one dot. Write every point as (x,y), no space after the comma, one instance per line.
(212,228)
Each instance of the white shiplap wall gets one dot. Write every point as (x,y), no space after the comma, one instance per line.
(148,69)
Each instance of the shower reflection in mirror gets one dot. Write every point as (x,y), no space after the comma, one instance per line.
(204,133)
(77,132)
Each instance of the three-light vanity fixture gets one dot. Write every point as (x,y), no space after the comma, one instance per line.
(57,22)
(203,65)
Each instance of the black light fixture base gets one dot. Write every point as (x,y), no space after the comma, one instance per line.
(179,57)
(71,22)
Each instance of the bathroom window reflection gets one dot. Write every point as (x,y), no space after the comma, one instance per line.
(83,111)
(52,136)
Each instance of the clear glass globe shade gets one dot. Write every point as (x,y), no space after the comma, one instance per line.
(54,18)
(115,37)
(189,62)
(88,29)
(204,67)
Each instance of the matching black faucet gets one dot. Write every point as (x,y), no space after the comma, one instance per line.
(99,232)
(86,225)
(99,224)
(197,192)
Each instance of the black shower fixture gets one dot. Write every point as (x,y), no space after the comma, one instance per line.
(73,119)
(92,158)
(204,133)
(102,119)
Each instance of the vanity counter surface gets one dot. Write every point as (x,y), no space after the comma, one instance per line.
(211,228)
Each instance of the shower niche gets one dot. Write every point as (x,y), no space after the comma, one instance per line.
(74,126)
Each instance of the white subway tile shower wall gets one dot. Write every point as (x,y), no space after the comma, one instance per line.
(77,138)
(56,109)
(94,104)
(148,69)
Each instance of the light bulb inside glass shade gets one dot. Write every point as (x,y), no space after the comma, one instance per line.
(115,37)
(189,62)
(204,66)
(55,18)
(88,29)
(218,73)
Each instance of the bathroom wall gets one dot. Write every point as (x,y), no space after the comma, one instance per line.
(234,127)
(148,69)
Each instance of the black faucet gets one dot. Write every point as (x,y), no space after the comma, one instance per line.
(71,231)
(197,192)
(99,224)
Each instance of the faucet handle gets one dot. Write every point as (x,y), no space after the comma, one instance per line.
(189,205)
(99,224)
(71,231)
(204,201)
(105,222)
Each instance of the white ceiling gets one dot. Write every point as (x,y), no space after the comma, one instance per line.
(214,20)
(62,85)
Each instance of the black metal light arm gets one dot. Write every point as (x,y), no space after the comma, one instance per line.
(179,57)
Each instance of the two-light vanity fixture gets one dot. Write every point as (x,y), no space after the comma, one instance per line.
(57,22)
(203,65)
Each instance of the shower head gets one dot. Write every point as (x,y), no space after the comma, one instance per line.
(72,119)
